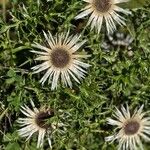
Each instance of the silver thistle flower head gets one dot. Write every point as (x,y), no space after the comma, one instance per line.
(60,59)
(36,121)
(100,10)
(132,128)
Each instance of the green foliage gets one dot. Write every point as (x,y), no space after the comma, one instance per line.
(115,77)
(133,4)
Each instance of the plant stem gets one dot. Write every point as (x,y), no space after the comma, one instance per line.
(4,10)
(3,113)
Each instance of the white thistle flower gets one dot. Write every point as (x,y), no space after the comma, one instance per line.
(36,121)
(100,10)
(131,128)
(61,59)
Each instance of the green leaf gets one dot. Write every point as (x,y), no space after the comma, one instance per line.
(135,4)
(13,146)
(11,73)
(10,80)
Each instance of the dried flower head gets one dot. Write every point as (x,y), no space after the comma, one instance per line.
(107,10)
(132,128)
(61,59)
(36,121)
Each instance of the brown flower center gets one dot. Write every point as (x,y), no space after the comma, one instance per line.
(42,119)
(102,5)
(60,58)
(131,127)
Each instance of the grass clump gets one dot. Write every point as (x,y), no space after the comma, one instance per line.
(118,74)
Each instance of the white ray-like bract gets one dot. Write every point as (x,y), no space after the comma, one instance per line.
(131,130)
(36,121)
(104,10)
(60,59)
